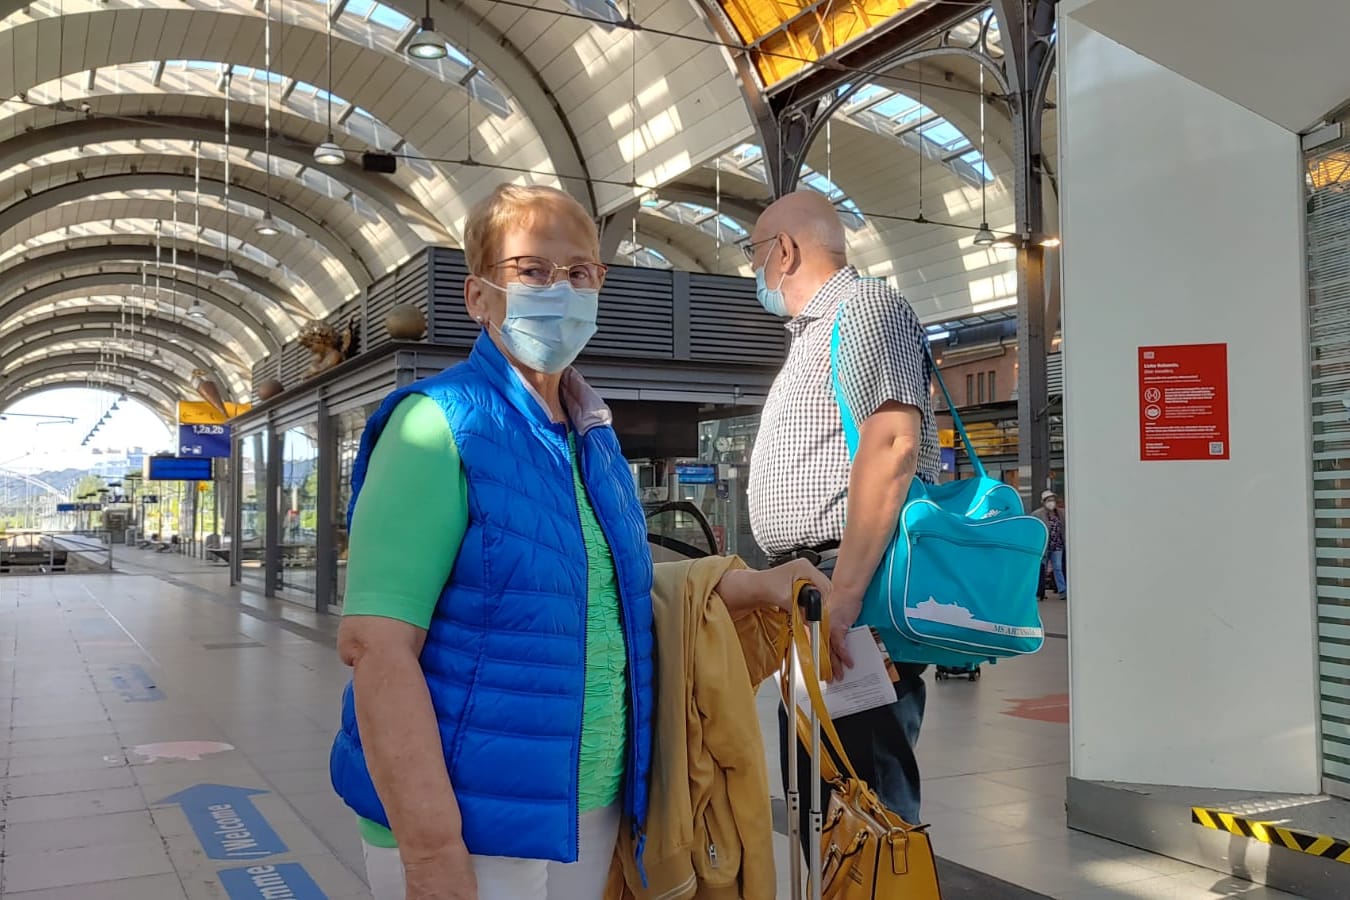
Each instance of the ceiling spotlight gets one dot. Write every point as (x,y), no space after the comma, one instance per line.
(427,44)
(1051,242)
(329,154)
(228,274)
(196,310)
(267,226)
(984,237)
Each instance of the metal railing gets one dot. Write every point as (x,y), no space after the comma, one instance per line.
(51,552)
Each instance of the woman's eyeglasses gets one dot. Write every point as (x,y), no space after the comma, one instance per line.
(535,271)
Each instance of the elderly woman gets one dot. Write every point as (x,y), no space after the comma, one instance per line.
(497,731)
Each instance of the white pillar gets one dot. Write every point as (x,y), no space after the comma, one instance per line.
(1192,625)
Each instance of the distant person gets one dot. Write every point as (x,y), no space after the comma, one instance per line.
(802,488)
(498,729)
(1057,524)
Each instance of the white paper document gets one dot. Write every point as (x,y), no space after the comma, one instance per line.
(866,686)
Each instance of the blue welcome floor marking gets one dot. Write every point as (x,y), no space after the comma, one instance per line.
(227,823)
(134,683)
(283,881)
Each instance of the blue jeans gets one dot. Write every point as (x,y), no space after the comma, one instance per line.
(1057,565)
(880,743)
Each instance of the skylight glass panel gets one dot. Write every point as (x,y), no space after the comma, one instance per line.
(865,95)
(390,18)
(455,54)
(943,133)
(898,107)
(730,224)
(606,12)
(485,92)
(975,160)
(646,257)
(359,8)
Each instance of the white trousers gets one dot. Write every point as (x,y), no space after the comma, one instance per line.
(505,878)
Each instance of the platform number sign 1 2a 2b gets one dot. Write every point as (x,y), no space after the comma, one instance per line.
(206,441)
(1183,402)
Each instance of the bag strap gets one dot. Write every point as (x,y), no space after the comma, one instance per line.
(850,421)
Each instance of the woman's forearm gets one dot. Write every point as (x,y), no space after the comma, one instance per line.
(403,752)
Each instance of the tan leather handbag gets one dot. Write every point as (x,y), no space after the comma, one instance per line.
(867,851)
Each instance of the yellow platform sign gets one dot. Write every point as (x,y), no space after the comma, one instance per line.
(199,412)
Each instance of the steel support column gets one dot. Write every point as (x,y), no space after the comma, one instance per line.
(325,554)
(1027,26)
(272,576)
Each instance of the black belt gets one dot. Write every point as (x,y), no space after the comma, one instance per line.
(812,555)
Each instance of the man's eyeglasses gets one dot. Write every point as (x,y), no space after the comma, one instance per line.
(535,271)
(748,248)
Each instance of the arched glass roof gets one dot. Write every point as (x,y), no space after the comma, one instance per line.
(638,254)
(202,77)
(914,124)
(749,160)
(365,22)
(704,218)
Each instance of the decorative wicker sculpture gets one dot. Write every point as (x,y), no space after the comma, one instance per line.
(209,390)
(328,345)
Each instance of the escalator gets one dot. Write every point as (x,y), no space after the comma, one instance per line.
(678,530)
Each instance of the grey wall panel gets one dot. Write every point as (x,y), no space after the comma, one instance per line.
(727,324)
(645,314)
(635,315)
(449,323)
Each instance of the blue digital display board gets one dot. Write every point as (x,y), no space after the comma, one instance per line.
(696,474)
(177,468)
(204,440)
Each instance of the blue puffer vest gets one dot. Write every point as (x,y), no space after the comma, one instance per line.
(506,650)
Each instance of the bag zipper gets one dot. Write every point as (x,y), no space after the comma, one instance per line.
(966,542)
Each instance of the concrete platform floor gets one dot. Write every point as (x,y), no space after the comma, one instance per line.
(164,736)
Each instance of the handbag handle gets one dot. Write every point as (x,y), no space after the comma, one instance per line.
(798,638)
(850,421)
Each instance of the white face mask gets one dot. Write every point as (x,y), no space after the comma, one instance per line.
(1050,505)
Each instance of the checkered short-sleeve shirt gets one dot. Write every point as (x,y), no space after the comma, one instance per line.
(799,465)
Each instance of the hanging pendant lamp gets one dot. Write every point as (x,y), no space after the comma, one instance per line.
(427,43)
(267,226)
(329,153)
(227,273)
(984,237)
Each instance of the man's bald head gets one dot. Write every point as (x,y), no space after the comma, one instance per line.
(797,245)
(812,221)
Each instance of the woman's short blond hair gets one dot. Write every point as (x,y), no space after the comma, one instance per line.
(515,206)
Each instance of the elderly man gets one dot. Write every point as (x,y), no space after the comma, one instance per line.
(806,501)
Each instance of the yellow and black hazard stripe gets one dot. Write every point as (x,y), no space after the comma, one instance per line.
(1320,845)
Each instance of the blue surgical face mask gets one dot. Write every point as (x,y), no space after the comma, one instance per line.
(773,300)
(547,327)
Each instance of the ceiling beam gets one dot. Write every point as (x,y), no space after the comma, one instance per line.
(74,191)
(101,282)
(20,342)
(151,395)
(66,260)
(173,384)
(109,314)
(743,210)
(506,63)
(397,207)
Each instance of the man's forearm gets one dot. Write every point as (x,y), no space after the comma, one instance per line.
(877,487)
(403,752)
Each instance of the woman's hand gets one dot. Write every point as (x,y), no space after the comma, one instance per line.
(447,875)
(745,589)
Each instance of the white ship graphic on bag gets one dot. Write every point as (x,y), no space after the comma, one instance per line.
(958,616)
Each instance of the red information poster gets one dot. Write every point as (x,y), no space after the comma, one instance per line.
(1183,402)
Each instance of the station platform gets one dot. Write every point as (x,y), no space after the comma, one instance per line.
(165,736)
